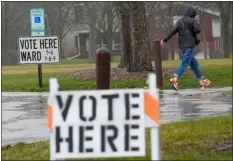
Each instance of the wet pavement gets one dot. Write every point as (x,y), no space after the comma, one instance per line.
(24,114)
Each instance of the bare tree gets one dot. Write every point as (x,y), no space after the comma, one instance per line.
(16,22)
(108,24)
(57,16)
(12,27)
(105,19)
(99,19)
(140,59)
(91,15)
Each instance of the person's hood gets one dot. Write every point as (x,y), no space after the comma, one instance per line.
(190,12)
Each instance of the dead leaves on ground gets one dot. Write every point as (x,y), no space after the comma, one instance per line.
(116,74)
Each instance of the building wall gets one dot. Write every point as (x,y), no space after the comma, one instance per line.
(68,45)
(210,38)
(207,29)
(71,48)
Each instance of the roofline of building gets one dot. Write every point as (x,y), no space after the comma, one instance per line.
(215,13)
(88,31)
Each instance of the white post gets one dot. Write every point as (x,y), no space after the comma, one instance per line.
(53,88)
(154,132)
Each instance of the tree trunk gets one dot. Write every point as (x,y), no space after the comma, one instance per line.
(109,45)
(62,54)
(61,51)
(109,25)
(172,52)
(140,59)
(92,47)
(224,33)
(107,40)
(225,8)
(59,30)
(92,37)
(125,33)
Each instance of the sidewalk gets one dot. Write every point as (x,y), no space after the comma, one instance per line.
(24,114)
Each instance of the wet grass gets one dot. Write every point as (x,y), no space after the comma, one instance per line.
(191,140)
(25,78)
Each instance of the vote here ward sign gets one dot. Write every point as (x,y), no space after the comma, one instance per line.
(38,50)
(103,123)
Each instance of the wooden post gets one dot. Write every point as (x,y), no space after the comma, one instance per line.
(103,65)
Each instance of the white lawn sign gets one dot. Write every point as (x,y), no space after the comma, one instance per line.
(38,50)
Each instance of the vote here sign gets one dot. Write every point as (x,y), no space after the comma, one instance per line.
(91,124)
(38,50)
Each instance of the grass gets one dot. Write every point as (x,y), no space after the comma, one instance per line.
(191,140)
(25,78)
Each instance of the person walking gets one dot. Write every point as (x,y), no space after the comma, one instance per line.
(187,28)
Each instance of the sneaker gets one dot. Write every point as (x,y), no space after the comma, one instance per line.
(204,83)
(174,83)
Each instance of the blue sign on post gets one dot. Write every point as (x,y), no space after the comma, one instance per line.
(37,22)
(38,29)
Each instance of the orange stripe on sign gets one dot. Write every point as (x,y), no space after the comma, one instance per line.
(151,107)
(50,117)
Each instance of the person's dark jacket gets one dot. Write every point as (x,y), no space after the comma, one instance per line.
(188,28)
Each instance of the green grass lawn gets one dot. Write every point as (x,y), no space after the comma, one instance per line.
(25,77)
(191,140)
